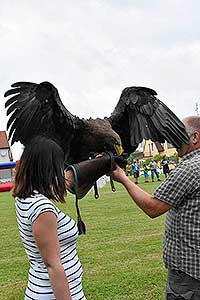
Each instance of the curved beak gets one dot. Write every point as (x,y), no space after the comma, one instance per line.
(119,150)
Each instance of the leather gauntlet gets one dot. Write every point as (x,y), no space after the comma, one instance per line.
(87,172)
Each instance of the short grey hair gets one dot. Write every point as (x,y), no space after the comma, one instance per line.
(191,124)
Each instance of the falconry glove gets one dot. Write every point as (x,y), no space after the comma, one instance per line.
(87,172)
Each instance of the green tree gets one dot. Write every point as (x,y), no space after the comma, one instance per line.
(174,158)
(146,162)
(135,155)
(158,157)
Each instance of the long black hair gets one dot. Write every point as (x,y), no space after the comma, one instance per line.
(41,168)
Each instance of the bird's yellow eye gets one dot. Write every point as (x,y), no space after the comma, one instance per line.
(119,150)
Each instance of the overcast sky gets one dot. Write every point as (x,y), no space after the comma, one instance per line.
(92,49)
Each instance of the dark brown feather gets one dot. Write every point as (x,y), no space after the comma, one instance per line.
(148,118)
(36,109)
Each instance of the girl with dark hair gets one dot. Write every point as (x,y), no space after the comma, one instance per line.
(48,235)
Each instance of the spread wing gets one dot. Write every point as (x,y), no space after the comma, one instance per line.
(140,115)
(36,109)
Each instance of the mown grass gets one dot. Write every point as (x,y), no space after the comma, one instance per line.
(121,253)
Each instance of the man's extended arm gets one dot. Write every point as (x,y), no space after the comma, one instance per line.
(150,205)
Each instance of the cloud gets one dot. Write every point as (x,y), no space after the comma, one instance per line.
(91,50)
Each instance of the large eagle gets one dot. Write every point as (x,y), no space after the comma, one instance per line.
(36,109)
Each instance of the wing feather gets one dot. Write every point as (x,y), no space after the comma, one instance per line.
(148,118)
(36,109)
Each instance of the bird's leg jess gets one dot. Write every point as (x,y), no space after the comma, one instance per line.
(96,193)
(112,163)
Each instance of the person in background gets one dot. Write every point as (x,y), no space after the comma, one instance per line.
(136,170)
(146,175)
(179,197)
(154,170)
(165,165)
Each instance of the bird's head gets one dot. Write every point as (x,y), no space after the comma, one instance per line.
(103,137)
(113,143)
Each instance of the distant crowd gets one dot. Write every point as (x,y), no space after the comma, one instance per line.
(152,169)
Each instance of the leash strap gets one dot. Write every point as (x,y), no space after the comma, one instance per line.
(111,171)
(80,224)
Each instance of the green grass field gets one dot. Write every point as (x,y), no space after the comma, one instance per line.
(121,253)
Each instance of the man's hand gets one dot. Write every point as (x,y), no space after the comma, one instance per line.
(121,160)
(119,175)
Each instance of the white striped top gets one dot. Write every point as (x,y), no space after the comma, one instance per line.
(39,287)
